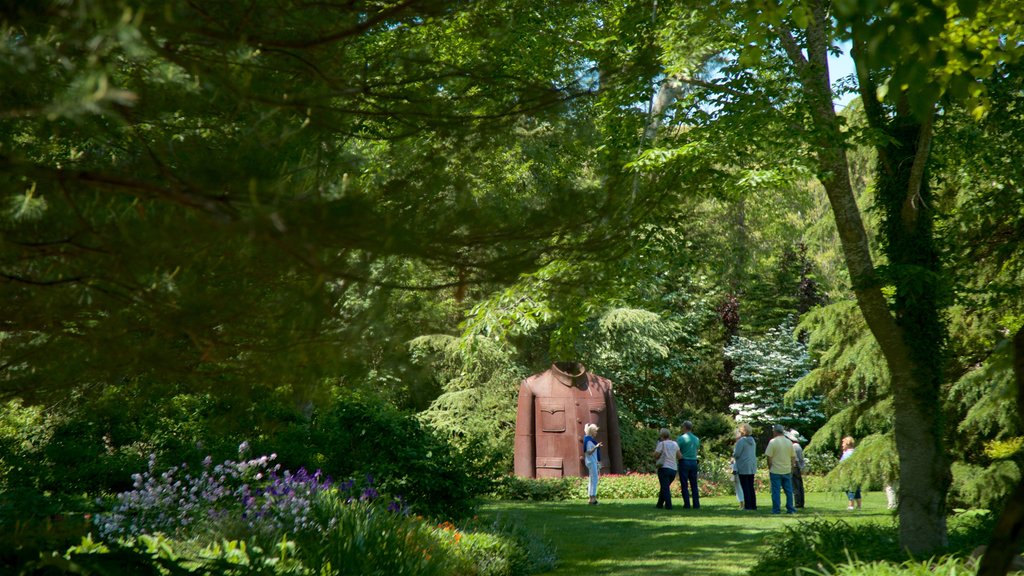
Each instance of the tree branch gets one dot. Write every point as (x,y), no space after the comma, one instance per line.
(914,201)
(866,86)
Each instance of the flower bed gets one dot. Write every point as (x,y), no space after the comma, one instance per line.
(252,517)
(610,486)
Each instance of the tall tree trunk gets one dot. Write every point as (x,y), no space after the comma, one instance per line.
(903,193)
(912,357)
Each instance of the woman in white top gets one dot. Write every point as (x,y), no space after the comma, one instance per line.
(853,494)
(667,455)
(592,458)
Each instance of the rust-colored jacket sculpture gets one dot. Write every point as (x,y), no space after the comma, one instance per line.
(553,407)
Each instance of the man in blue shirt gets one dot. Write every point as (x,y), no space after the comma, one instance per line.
(689,446)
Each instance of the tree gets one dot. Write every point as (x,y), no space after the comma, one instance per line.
(778,84)
(219,195)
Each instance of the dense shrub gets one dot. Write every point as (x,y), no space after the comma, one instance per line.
(366,538)
(513,487)
(23,541)
(637,446)
(809,544)
(813,483)
(715,430)
(821,544)
(623,486)
(502,548)
(93,446)
(969,528)
(819,463)
(983,486)
(359,436)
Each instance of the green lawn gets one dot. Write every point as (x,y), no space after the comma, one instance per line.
(629,537)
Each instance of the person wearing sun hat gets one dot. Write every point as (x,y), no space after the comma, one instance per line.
(798,467)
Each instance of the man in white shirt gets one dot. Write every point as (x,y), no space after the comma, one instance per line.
(781,459)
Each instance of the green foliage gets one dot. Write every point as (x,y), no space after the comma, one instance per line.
(853,379)
(345,438)
(715,473)
(986,396)
(874,462)
(941,51)
(513,487)
(368,539)
(637,444)
(850,367)
(717,431)
(616,486)
(946,566)
(305,198)
(157,554)
(480,382)
(985,487)
(821,542)
(838,547)
(93,443)
(1003,449)
(815,483)
(358,436)
(27,537)
(638,350)
(501,548)
(820,462)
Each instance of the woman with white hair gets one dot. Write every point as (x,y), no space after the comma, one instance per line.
(745,455)
(592,458)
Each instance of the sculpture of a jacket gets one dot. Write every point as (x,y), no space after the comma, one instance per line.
(553,408)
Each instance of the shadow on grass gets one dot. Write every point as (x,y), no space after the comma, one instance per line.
(633,537)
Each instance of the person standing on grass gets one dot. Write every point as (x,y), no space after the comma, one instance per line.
(666,454)
(736,477)
(853,494)
(689,447)
(745,456)
(781,459)
(592,458)
(798,468)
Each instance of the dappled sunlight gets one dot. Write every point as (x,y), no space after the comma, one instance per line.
(633,537)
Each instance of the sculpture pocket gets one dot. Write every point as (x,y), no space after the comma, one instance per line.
(549,468)
(552,417)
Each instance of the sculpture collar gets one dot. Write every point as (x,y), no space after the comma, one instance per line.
(567,373)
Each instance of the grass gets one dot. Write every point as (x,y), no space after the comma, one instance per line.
(632,537)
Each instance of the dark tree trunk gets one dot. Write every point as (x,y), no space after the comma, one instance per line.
(904,197)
